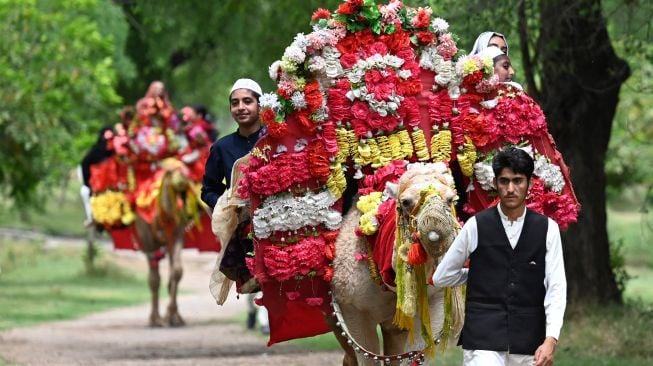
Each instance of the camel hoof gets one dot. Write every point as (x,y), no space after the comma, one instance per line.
(156,322)
(175,320)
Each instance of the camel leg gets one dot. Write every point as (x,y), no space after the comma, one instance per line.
(176,271)
(362,328)
(394,339)
(154,281)
(350,355)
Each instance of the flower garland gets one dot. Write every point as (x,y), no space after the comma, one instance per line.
(111,208)
(283,212)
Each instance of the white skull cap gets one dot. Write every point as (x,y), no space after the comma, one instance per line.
(491,52)
(247,84)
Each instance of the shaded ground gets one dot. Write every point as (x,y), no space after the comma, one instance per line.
(213,334)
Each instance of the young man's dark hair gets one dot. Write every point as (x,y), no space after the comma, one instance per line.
(516,159)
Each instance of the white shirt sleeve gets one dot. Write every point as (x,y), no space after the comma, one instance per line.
(450,271)
(555,282)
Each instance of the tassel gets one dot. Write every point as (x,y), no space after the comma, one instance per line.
(416,254)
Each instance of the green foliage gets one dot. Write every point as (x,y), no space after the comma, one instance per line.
(61,213)
(57,78)
(38,284)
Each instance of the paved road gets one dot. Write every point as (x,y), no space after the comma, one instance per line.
(213,335)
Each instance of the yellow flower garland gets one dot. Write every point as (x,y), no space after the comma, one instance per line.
(368,205)
(406,144)
(467,157)
(419,141)
(112,208)
(342,138)
(336,183)
(395,146)
(441,146)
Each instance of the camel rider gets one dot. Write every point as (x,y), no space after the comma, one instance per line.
(244,105)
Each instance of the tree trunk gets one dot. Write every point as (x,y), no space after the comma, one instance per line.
(581,79)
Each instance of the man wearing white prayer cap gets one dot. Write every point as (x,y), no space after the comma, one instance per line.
(488,39)
(244,105)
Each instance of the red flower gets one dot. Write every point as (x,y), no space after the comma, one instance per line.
(277,129)
(397,41)
(407,55)
(349,44)
(267,115)
(304,121)
(346,9)
(425,38)
(409,110)
(409,87)
(284,93)
(348,60)
(422,19)
(339,105)
(374,48)
(360,110)
(360,128)
(320,14)
(364,38)
(313,95)
(318,161)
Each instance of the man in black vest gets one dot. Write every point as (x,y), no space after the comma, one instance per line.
(516,285)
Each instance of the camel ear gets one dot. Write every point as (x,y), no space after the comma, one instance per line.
(391,190)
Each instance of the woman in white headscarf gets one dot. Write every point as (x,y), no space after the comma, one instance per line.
(487,39)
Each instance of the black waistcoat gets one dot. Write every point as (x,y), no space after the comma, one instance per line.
(504,308)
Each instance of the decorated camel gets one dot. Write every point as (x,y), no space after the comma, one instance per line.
(146,194)
(419,218)
(369,88)
(162,229)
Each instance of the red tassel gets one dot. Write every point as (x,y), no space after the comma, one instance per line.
(417,255)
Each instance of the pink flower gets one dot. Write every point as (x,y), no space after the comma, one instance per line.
(361,256)
(360,110)
(292,295)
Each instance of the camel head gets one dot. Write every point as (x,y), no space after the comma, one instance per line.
(425,196)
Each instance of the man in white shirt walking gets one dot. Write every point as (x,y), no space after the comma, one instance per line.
(516,285)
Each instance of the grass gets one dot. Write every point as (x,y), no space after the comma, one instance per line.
(39,285)
(62,215)
(591,336)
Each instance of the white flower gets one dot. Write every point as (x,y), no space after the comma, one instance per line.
(281,149)
(440,25)
(528,149)
(393,61)
(269,100)
(300,42)
(294,54)
(273,70)
(550,174)
(404,74)
(484,175)
(300,145)
(284,212)
(316,64)
(298,101)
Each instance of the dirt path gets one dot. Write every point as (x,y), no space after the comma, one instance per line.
(212,336)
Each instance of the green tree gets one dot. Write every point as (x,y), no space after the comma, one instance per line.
(57,77)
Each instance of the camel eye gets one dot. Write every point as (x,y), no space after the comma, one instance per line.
(406,203)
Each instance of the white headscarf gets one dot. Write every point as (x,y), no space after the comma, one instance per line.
(491,52)
(483,40)
(248,84)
